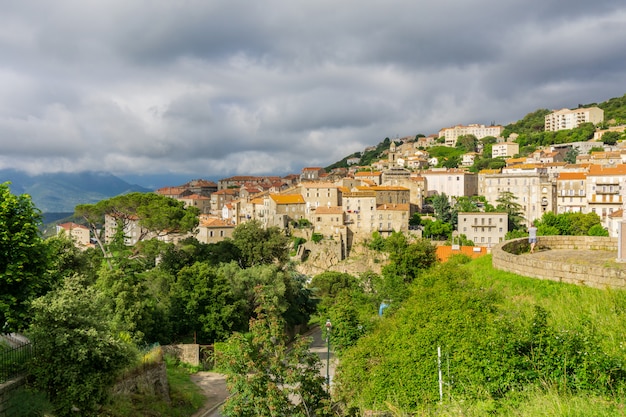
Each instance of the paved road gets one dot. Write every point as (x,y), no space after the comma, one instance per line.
(215,387)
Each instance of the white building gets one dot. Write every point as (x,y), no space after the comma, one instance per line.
(451,134)
(451,182)
(484,229)
(570,119)
(504,149)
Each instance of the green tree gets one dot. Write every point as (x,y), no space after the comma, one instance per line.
(156,215)
(487,143)
(598,230)
(442,207)
(260,246)
(467,142)
(78,355)
(507,202)
(330,283)
(611,138)
(264,375)
(24,259)
(570,156)
(204,304)
(415,220)
(437,230)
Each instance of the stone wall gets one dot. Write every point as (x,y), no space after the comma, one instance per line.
(7,389)
(148,380)
(509,256)
(188,353)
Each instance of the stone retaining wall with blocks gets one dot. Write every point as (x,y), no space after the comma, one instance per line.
(513,256)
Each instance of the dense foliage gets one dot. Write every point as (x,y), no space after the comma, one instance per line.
(574,224)
(495,347)
(23,259)
(265,375)
(78,355)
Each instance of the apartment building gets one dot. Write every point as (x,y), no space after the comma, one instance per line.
(320,194)
(80,235)
(484,229)
(451,134)
(535,193)
(391,218)
(570,119)
(504,150)
(360,210)
(604,189)
(451,182)
(571,191)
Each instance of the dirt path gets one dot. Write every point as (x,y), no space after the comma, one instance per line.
(213,385)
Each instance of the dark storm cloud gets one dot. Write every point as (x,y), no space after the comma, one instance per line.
(218,88)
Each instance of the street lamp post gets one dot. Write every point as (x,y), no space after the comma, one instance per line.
(329,327)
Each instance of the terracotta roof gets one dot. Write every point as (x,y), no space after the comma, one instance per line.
(72,225)
(215,222)
(572,176)
(227,191)
(445,252)
(195,197)
(367,174)
(393,207)
(171,190)
(602,170)
(617,214)
(329,210)
(287,198)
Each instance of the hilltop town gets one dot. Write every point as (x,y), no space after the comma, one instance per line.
(347,204)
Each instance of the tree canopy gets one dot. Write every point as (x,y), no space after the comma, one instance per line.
(23,259)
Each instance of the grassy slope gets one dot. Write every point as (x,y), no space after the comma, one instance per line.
(568,306)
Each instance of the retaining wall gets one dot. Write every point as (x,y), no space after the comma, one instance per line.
(512,256)
(7,389)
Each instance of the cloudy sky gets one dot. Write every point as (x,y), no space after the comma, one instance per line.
(210,88)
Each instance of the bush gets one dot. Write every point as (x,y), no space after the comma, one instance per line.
(317,237)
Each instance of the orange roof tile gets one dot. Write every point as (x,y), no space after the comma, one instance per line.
(329,210)
(287,198)
(602,170)
(445,252)
(572,176)
(72,225)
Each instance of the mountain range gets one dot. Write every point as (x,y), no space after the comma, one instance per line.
(62,192)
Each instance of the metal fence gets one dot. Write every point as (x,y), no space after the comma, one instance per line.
(13,361)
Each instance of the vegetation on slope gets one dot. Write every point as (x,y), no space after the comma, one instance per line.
(507,342)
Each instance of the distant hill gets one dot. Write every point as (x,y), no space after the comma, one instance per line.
(62,192)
